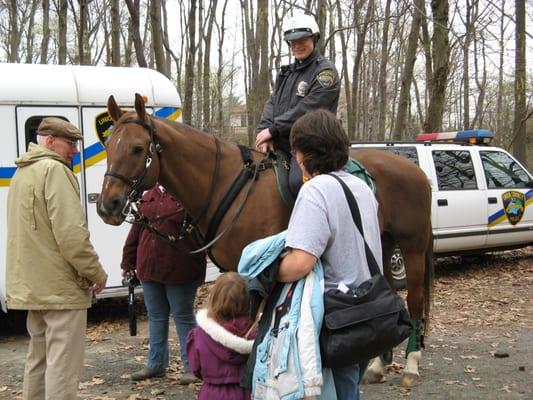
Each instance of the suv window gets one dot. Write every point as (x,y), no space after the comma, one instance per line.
(455,170)
(501,171)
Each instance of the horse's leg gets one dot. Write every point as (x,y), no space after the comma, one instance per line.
(415,265)
(375,372)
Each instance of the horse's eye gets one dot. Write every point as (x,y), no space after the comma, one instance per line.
(137,150)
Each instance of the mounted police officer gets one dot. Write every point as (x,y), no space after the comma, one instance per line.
(310,82)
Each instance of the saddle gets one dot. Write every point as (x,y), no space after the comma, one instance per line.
(289,175)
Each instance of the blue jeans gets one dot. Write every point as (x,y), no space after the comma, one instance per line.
(347,381)
(160,300)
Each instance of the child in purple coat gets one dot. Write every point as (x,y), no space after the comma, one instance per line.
(219,346)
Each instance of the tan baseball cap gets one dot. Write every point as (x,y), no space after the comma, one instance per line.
(58,127)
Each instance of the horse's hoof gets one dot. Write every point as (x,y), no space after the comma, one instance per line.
(372,377)
(410,380)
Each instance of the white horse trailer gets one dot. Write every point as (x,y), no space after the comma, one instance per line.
(78,94)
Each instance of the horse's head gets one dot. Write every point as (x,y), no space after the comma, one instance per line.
(132,161)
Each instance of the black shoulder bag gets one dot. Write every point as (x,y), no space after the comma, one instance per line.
(366,321)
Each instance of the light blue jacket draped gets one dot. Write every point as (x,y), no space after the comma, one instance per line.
(288,364)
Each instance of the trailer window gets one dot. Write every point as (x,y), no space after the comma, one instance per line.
(31,125)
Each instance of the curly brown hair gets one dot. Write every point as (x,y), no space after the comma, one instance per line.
(228,298)
(322,140)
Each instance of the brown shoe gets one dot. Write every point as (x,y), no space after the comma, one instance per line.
(187,378)
(147,373)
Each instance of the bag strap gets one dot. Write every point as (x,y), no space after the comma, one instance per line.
(356,215)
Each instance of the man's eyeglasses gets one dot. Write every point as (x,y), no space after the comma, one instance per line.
(72,143)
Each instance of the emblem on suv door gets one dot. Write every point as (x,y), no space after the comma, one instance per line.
(513,204)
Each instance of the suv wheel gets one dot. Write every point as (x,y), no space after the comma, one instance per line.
(398,269)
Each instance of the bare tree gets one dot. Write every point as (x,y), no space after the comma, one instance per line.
(361,34)
(157,37)
(256,61)
(29,31)
(440,56)
(407,72)
(189,64)
(14,33)
(383,73)
(84,57)
(115,33)
(207,125)
(520,112)
(46,31)
(134,10)
(221,30)
(62,13)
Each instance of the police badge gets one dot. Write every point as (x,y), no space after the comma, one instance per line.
(103,124)
(301,89)
(514,205)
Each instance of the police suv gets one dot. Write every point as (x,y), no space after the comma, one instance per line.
(482,197)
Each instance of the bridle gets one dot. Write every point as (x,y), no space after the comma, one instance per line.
(136,182)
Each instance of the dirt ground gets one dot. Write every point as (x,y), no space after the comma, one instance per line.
(480,345)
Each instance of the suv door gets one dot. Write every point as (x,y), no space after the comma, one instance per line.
(460,207)
(510,195)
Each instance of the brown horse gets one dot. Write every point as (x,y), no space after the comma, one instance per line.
(198,170)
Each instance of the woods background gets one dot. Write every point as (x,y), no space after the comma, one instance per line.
(407,65)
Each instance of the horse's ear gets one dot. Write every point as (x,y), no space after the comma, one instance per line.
(113,109)
(139,106)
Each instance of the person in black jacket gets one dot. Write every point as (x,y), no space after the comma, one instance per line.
(311,82)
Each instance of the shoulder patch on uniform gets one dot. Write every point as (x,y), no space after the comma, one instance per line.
(326,78)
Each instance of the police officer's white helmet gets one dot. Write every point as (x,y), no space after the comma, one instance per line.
(300,26)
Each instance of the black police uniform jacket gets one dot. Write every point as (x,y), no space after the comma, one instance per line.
(300,87)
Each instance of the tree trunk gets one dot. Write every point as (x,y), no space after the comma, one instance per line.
(207,125)
(441,55)
(115,33)
(346,76)
(520,111)
(407,72)
(383,74)
(356,66)
(189,64)
(499,102)
(29,20)
(83,34)
(157,37)
(469,27)
(134,10)
(46,32)
(481,84)
(14,34)
(221,35)
(262,85)
(199,94)
(62,32)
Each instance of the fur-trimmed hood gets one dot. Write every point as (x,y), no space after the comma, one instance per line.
(228,335)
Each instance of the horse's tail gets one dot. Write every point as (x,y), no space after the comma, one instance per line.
(429,275)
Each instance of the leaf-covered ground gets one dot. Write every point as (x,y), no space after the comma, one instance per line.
(480,344)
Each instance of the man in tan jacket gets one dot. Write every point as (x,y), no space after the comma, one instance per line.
(52,267)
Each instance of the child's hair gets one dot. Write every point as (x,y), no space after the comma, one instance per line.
(229,298)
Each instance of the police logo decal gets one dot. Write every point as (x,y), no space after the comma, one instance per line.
(326,78)
(301,89)
(514,205)
(103,124)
